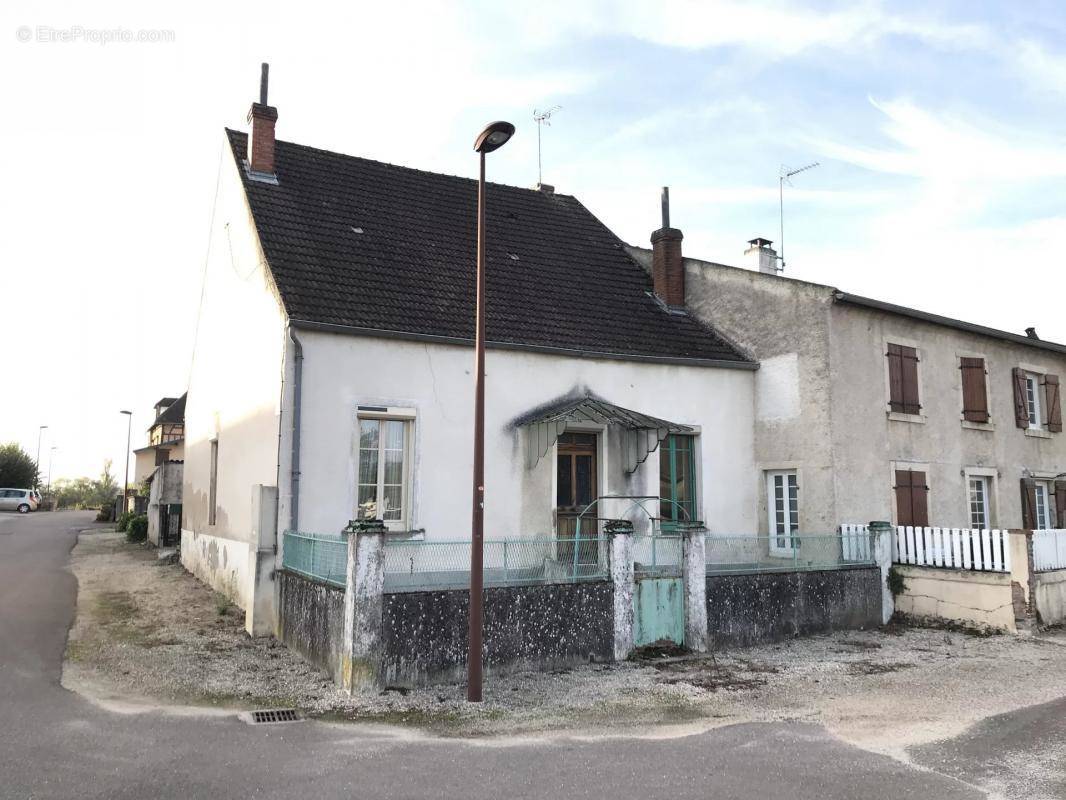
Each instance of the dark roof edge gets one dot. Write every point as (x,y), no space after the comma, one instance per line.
(936,319)
(328,327)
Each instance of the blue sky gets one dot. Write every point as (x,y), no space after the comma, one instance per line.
(938,129)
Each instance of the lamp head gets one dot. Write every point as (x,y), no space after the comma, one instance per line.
(494,137)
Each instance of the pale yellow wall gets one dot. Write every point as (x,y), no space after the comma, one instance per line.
(984,599)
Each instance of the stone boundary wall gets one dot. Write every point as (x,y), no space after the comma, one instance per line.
(551,626)
(746,609)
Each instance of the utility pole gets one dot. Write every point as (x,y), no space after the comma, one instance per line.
(126,474)
(37,461)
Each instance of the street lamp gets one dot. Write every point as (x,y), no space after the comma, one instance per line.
(37,462)
(126,474)
(492,138)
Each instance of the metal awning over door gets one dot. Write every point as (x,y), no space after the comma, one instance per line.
(641,433)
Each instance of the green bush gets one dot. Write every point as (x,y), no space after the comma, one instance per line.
(137,528)
(104,514)
(123,520)
(897,584)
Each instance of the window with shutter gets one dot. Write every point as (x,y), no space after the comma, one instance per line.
(1053,405)
(912,498)
(903,379)
(974,390)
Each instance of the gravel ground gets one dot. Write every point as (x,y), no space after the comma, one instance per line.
(148,635)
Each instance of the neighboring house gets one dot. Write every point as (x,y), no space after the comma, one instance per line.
(166,438)
(160,465)
(332,372)
(868,410)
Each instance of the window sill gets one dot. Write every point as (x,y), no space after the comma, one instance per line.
(978,426)
(1037,433)
(899,416)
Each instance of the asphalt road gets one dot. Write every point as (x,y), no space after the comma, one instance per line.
(55,744)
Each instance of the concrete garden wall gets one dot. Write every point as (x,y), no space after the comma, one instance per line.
(1049,594)
(311,619)
(753,608)
(984,599)
(424,634)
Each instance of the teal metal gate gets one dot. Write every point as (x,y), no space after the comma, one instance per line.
(658,598)
(658,602)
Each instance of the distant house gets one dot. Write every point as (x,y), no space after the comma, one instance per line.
(867,410)
(332,372)
(160,465)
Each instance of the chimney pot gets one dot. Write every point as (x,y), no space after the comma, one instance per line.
(1031,333)
(762,255)
(262,118)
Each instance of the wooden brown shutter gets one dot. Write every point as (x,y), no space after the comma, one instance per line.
(895,378)
(1060,504)
(1021,407)
(1028,503)
(912,498)
(974,391)
(920,499)
(1054,404)
(903,379)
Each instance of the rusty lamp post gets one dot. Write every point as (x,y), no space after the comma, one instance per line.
(492,138)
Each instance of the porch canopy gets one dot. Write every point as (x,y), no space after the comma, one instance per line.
(641,433)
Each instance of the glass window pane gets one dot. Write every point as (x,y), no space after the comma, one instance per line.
(564,491)
(583,470)
(368,467)
(392,504)
(394,434)
(368,433)
(393,467)
(368,502)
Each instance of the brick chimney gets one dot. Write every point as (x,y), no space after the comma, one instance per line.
(261,140)
(667,269)
(762,256)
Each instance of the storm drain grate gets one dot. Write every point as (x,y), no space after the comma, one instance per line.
(272,716)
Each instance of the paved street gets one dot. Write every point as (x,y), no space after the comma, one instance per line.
(55,744)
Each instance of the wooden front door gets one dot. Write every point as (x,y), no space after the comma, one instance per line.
(575,469)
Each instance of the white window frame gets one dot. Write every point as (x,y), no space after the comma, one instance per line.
(1032,400)
(791,520)
(1043,495)
(387,414)
(985,484)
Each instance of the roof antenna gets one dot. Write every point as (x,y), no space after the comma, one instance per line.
(264,78)
(782,179)
(542,118)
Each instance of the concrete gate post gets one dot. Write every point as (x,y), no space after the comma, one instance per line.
(620,554)
(694,586)
(363,588)
(881,534)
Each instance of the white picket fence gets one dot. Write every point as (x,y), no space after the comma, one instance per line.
(855,544)
(1049,549)
(953,548)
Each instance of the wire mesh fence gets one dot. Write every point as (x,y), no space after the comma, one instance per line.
(323,556)
(657,555)
(423,565)
(747,553)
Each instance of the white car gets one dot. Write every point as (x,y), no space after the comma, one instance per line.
(21,500)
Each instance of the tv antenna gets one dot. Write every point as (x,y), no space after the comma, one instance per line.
(784,177)
(542,118)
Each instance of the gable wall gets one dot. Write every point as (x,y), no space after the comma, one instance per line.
(234,396)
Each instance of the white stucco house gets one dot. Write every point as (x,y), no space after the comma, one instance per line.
(332,372)
(868,410)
